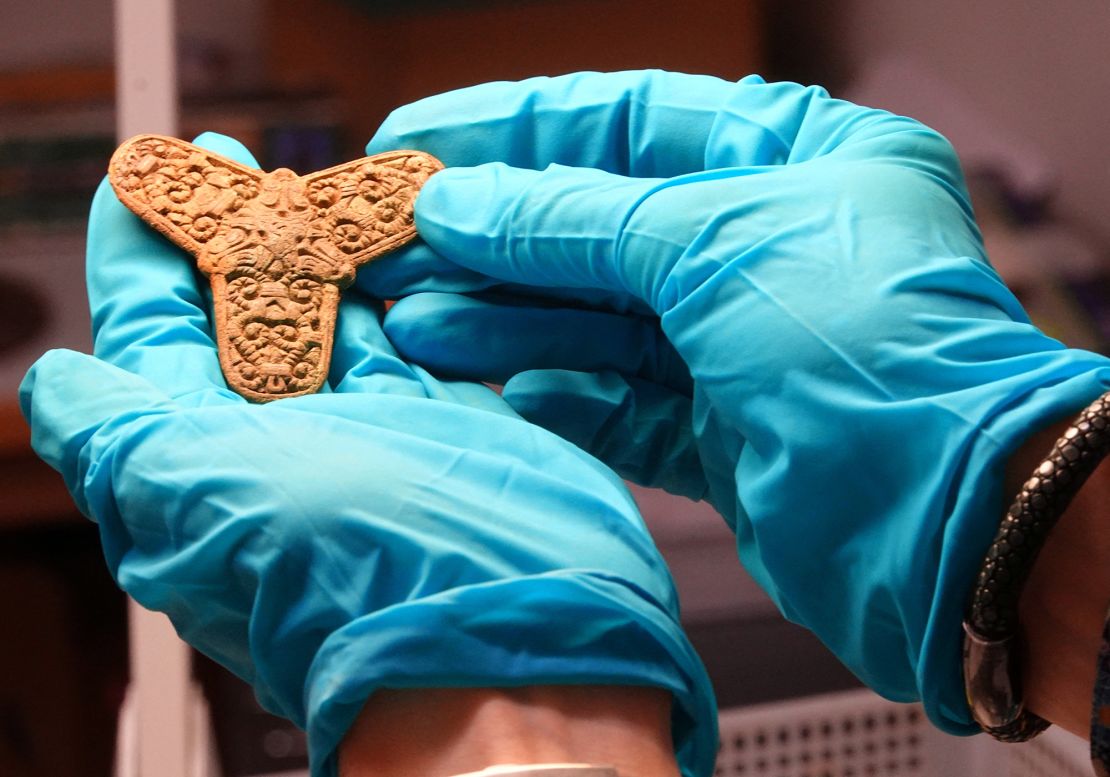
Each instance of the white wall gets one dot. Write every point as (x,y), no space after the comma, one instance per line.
(45,33)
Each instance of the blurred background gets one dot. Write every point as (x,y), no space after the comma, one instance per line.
(1021,88)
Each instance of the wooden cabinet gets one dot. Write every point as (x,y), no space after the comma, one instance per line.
(379,55)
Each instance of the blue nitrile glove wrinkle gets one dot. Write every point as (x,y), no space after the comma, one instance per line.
(399,531)
(860,373)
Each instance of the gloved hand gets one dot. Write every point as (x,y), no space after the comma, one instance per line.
(827,355)
(400,531)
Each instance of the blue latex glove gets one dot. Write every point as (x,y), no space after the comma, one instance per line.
(397,532)
(857,373)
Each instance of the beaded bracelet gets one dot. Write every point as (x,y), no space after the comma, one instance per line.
(992,664)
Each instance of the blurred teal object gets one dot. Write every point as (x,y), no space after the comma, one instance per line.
(398,531)
(821,348)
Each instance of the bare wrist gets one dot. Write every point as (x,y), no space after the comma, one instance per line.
(446,732)
(1033,627)
(1064,600)
(1063,607)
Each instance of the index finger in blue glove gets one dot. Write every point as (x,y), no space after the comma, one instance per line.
(567,227)
(563,227)
(652,124)
(149,313)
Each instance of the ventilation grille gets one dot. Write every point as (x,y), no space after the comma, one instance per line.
(859,734)
(854,734)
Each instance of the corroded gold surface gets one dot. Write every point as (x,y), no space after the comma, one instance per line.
(277,247)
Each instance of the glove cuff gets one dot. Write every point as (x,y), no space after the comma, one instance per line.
(973,522)
(566,628)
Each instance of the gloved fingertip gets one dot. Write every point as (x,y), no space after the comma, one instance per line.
(453,188)
(458,209)
(43,376)
(385,139)
(402,320)
(67,396)
(105,203)
(572,404)
(464,213)
(27,387)
(226,146)
(555,227)
(419,327)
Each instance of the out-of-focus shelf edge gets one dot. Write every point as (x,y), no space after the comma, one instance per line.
(31,493)
(61,83)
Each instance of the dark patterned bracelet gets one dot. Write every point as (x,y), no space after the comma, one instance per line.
(991,655)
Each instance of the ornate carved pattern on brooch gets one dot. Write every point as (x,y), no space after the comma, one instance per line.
(276,247)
